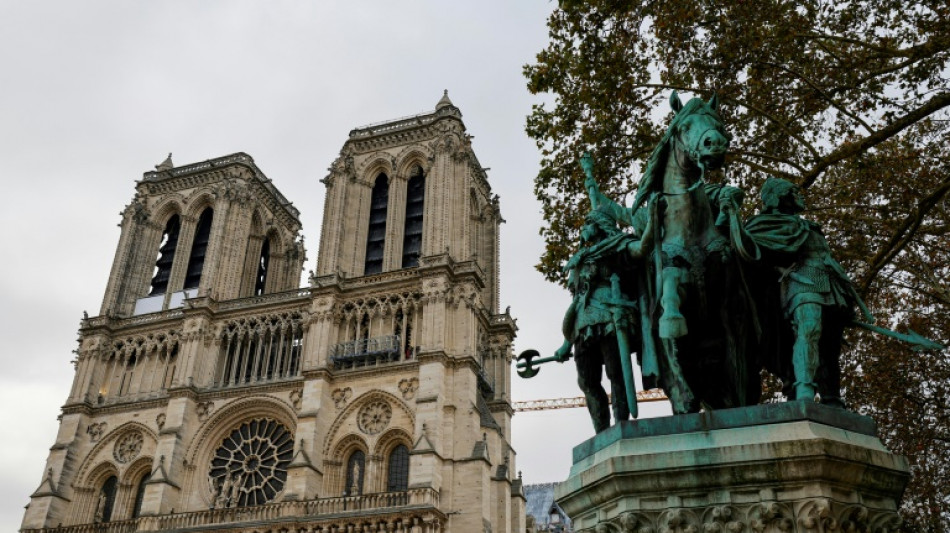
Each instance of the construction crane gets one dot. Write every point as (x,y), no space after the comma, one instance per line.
(652,395)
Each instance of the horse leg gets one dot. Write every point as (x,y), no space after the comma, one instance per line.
(672,323)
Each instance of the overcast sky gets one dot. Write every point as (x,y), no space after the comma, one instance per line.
(93,94)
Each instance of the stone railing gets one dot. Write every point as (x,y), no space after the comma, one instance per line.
(300,511)
(393,125)
(285,296)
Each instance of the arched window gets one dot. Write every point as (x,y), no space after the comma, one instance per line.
(262,265)
(166,255)
(355,470)
(376,238)
(199,247)
(106,499)
(398,479)
(140,495)
(412,236)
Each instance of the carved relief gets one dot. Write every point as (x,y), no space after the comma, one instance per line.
(296,399)
(128,447)
(374,417)
(341,396)
(815,515)
(408,388)
(160,421)
(722,519)
(678,521)
(770,516)
(203,410)
(95,431)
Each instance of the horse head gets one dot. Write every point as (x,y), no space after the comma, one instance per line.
(699,132)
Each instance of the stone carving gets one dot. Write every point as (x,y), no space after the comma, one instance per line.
(722,519)
(296,399)
(160,421)
(819,515)
(770,516)
(203,410)
(678,521)
(341,396)
(128,447)
(95,431)
(374,417)
(815,516)
(408,388)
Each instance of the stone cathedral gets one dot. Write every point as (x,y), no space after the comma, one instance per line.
(211,393)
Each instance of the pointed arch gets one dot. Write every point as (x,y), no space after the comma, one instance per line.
(199,248)
(166,256)
(376,232)
(413,223)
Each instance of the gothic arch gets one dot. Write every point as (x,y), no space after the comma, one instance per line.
(219,425)
(373,166)
(390,439)
(171,204)
(138,467)
(352,409)
(198,201)
(86,473)
(347,445)
(409,156)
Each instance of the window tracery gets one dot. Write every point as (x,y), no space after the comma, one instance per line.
(398,475)
(250,466)
(374,417)
(138,366)
(262,348)
(128,447)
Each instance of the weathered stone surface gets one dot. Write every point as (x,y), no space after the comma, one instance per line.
(808,468)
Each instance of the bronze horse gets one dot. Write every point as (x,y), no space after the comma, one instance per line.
(694,308)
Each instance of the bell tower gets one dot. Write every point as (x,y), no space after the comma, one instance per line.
(218,228)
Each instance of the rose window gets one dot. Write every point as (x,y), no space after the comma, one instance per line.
(128,447)
(374,417)
(250,466)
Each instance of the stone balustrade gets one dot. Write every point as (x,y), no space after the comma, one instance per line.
(320,514)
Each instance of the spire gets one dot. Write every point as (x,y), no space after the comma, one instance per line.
(444,101)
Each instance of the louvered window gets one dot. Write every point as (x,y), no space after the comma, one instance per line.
(199,248)
(376,238)
(412,236)
(166,256)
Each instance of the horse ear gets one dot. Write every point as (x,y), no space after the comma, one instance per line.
(675,102)
(714,102)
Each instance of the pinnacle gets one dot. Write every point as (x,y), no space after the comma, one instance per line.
(444,101)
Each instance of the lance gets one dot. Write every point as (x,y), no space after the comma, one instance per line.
(918,341)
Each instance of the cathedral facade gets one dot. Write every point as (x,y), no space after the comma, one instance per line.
(212,393)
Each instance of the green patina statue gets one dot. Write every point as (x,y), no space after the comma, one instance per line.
(816,297)
(704,300)
(602,321)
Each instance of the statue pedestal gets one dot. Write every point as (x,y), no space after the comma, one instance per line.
(795,466)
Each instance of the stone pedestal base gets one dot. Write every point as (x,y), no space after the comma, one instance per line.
(795,466)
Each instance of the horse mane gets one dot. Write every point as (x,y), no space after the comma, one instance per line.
(653,172)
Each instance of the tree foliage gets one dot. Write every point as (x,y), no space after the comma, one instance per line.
(848,99)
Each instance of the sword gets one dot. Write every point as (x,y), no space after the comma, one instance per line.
(623,344)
